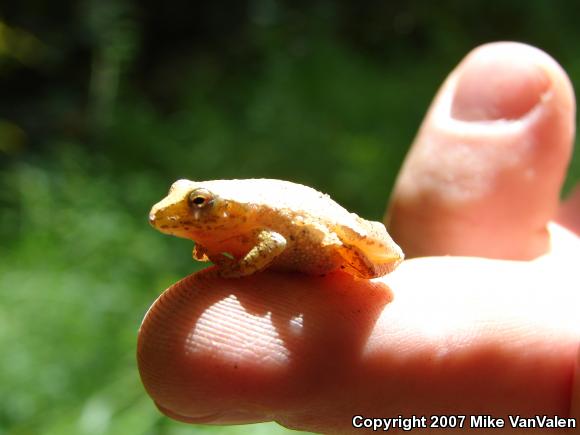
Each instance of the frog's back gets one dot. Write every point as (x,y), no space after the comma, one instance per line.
(282,195)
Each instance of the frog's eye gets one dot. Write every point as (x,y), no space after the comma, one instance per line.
(200,198)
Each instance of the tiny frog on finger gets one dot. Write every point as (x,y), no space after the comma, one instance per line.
(244,226)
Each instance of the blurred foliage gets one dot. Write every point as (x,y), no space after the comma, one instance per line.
(105,103)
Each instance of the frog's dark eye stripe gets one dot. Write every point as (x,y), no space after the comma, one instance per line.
(200,198)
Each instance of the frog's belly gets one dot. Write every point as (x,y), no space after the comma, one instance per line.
(309,258)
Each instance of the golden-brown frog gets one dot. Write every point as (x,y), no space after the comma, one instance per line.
(244,226)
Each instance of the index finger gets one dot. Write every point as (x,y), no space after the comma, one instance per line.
(312,352)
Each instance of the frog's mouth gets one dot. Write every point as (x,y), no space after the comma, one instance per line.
(170,219)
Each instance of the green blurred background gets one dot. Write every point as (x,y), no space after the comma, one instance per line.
(105,103)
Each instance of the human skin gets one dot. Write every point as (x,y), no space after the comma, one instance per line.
(484,318)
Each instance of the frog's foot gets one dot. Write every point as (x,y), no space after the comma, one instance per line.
(269,244)
(358,264)
(222,260)
(200,253)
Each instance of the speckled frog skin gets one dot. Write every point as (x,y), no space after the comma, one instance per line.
(244,226)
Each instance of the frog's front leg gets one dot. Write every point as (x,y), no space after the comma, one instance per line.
(269,244)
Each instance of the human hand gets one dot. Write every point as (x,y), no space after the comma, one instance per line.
(441,335)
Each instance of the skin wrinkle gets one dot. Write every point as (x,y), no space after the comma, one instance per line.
(228,313)
(258,329)
(231,345)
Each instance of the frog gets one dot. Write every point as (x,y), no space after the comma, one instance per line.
(245,226)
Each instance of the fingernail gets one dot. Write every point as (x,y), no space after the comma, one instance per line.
(499,81)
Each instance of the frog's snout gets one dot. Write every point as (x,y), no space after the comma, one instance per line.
(165,219)
(158,220)
(156,217)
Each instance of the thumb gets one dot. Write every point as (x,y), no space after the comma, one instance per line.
(484,174)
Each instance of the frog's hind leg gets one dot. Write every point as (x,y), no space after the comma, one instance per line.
(356,263)
(369,249)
